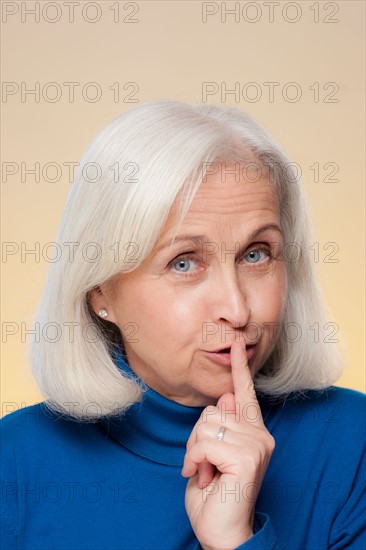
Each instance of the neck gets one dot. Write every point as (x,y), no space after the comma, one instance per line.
(156,428)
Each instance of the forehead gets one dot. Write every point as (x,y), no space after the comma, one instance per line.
(226,198)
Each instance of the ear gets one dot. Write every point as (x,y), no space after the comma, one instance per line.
(99,298)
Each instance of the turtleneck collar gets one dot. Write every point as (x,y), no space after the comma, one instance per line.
(155,428)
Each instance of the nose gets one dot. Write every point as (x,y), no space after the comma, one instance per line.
(229,302)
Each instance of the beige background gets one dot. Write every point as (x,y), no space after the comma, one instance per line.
(169,52)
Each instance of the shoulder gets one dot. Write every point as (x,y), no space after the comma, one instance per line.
(25,423)
(321,416)
(321,436)
(335,404)
(352,398)
(333,401)
(332,417)
(37,430)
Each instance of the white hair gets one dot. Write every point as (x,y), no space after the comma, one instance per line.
(124,189)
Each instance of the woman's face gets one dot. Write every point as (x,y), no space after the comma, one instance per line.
(222,279)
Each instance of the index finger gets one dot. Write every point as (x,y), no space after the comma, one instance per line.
(244,391)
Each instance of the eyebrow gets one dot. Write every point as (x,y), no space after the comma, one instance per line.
(199,239)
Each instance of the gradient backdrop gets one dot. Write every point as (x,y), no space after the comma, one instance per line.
(298,67)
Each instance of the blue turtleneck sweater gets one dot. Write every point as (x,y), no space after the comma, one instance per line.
(117,484)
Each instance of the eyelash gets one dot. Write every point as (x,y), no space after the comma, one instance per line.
(192,256)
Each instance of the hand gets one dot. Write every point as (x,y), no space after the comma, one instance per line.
(225,476)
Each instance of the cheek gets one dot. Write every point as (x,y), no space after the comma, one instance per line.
(269,296)
(158,312)
(143,309)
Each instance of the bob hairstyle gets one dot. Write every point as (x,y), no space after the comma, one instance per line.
(128,179)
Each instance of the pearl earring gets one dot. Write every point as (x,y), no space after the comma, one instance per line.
(103,313)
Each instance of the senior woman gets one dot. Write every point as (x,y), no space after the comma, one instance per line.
(187,405)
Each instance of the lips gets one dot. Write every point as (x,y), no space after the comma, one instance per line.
(223,350)
(222,355)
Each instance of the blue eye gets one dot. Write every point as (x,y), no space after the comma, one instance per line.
(182,265)
(254,256)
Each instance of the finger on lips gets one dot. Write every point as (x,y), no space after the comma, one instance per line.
(242,379)
(204,433)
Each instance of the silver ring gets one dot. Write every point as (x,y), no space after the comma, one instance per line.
(221,433)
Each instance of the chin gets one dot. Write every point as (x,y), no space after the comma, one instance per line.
(213,397)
